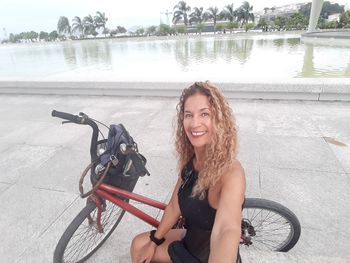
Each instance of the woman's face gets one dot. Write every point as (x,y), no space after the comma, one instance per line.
(198,120)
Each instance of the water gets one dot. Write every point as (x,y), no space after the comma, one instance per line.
(220,58)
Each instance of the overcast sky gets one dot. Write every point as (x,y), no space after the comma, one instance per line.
(42,15)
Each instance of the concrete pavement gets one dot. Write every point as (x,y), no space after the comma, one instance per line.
(294,152)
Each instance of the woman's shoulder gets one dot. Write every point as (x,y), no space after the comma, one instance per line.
(233,172)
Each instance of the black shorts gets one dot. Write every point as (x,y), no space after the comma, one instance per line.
(180,254)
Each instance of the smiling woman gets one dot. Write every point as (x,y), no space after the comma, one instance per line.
(209,193)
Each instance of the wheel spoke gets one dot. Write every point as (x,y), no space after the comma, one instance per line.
(272,230)
(87,236)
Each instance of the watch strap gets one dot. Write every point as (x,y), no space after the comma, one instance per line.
(154,239)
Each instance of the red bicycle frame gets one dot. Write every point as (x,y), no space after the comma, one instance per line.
(114,195)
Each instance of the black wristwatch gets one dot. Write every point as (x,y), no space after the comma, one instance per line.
(154,239)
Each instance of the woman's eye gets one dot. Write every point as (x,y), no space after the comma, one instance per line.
(205,114)
(187,115)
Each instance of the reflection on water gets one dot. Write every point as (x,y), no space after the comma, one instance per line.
(87,53)
(293,41)
(278,42)
(197,51)
(70,54)
(316,67)
(226,58)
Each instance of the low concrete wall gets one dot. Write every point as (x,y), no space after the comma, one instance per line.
(316,90)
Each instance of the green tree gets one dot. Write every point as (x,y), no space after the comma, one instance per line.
(180,29)
(12,38)
(262,24)
(219,27)
(197,16)
(100,20)
(297,21)
(151,30)
(53,35)
(164,30)
(213,14)
(199,28)
(344,20)
(280,22)
(231,25)
(331,24)
(78,26)
(43,35)
(328,8)
(248,26)
(181,12)
(63,26)
(121,30)
(306,9)
(89,26)
(140,31)
(228,13)
(33,36)
(245,14)
(106,31)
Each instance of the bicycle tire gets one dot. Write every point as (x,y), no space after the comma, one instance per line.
(78,245)
(269,219)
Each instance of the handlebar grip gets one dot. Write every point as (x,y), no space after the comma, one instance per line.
(66,116)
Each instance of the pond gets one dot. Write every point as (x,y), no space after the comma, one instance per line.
(252,57)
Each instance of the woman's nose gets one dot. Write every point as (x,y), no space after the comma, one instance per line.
(195,121)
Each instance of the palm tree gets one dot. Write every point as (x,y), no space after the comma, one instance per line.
(229,13)
(77,26)
(181,10)
(244,13)
(100,20)
(213,13)
(89,25)
(197,16)
(63,26)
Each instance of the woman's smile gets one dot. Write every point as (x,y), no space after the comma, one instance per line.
(198,134)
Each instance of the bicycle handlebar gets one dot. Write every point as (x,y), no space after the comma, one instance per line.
(85,120)
(67,116)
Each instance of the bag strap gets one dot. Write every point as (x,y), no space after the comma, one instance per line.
(98,183)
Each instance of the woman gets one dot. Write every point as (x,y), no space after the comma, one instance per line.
(209,192)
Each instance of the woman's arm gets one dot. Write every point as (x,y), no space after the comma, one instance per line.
(226,231)
(170,217)
(171,213)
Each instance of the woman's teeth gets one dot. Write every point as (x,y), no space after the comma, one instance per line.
(197,133)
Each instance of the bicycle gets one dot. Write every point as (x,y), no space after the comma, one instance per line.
(266,225)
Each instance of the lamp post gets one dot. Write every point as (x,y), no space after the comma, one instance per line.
(167,13)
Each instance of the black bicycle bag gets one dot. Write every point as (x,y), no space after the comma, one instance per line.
(127,164)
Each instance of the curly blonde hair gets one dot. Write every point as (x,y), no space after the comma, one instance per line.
(221,152)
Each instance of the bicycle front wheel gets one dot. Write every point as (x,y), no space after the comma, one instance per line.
(268,225)
(82,237)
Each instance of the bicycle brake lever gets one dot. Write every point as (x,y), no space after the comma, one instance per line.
(64,122)
(82,114)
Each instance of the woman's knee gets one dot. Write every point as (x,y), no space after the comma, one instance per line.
(139,241)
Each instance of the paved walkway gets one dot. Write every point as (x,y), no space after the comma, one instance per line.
(294,152)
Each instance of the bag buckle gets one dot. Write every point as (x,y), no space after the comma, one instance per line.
(114,160)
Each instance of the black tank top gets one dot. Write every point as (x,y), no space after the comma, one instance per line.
(198,214)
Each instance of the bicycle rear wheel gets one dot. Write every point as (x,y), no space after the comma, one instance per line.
(269,225)
(82,238)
